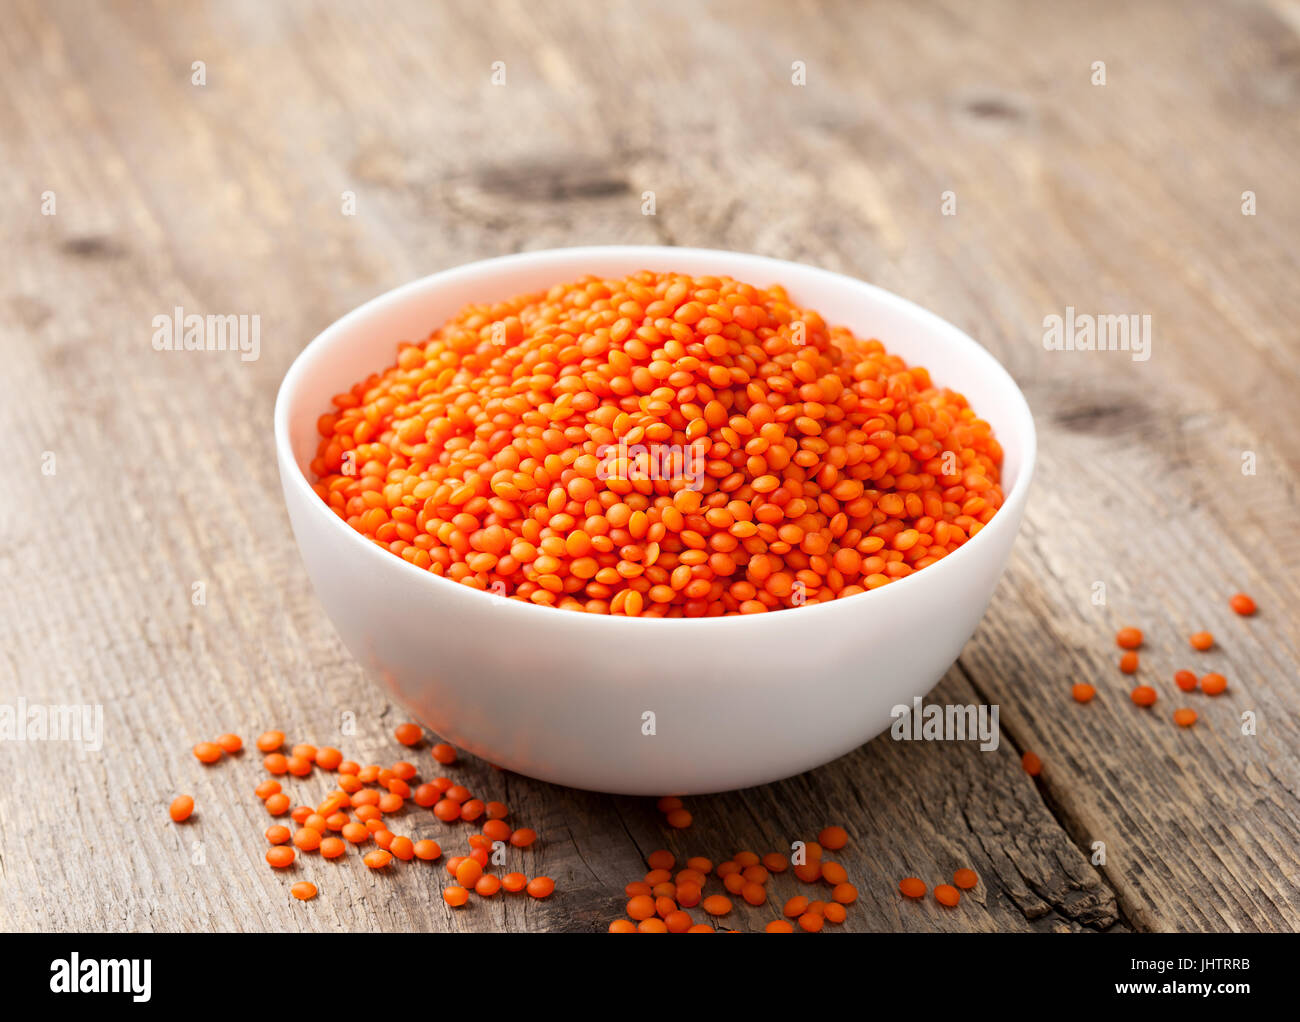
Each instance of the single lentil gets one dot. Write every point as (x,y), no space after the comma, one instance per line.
(946,894)
(1143,695)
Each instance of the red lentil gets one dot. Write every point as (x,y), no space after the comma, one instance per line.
(1184,717)
(1128,663)
(497,830)
(1214,684)
(402,848)
(269,741)
(965,879)
(1242,604)
(1143,695)
(912,887)
(468,872)
(523,837)
(230,743)
(444,754)
(427,850)
(833,873)
(946,894)
(408,734)
(280,856)
(332,847)
(303,890)
(754,894)
(377,858)
(482,454)
(773,862)
(328,758)
(278,834)
(425,795)
(1083,692)
(455,896)
(447,811)
(1128,638)
(833,838)
(514,882)
(276,763)
(266,789)
(716,905)
(540,887)
(307,838)
(277,804)
(845,893)
(778,926)
(1201,641)
(356,833)
(1031,763)
(181,808)
(1185,680)
(661,859)
(207,752)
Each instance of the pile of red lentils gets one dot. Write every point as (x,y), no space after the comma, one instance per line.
(359,812)
(366,803)
(658,445)
(658,903)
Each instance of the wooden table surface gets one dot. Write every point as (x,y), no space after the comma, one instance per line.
(132,474)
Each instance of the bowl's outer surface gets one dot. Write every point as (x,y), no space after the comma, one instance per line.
(570,698)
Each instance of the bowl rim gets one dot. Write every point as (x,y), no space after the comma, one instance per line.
(294,477)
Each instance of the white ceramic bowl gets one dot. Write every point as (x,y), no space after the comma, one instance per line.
(562,696)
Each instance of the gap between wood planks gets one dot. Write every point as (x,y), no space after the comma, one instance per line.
(1071,825)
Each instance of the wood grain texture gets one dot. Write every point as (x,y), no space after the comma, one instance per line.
(226,198)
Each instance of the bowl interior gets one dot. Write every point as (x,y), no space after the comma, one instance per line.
(365,340)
